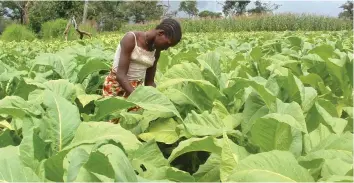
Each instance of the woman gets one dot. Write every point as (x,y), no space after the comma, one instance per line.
(136,58)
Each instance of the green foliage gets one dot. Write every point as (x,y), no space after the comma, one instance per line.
(211,14)
(234,7)
(240,107)
(347,12)
(111,13)
(263,7)
(55,29)
(279,22)
(143,11)
(189,7)
(87,27)
(16,32)
(3,24)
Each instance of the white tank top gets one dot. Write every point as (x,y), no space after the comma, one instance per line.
(140,60)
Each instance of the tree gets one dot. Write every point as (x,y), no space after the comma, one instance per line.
(18,10)
(38,13)
(109,14)
(261,8)
(234,7)
(84,16)
(189,7)
(347,12)
(211,14)
(142,11)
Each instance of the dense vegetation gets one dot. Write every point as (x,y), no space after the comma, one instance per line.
(108,16)
(264,106)
(280,22)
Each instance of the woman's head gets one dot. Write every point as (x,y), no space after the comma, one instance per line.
(169,34)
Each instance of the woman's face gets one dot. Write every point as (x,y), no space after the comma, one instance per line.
(162,42)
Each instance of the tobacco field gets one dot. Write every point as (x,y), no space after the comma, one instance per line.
(228,107)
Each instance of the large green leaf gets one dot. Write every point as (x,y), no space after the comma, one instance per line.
(337,178)
(259,85)
(189,95)
(17,107)
(276,132)
(62,64)
(210,66)
(150,157)
(342,142)
(108,106)
(317,114)
(177,175)
(336,68)
(231,155)
(92,65)
(151,99)
(123,170)
(208,144)
(161,130)
(73,164)
(188,72)
(33,149)
(86,99)
(64,119)
(295,89)
(334,148)
(62,87)
(314,138)
(12,169)
(19,87)
(93,132)
(210,170)
(335,167)
(273,166)
(254,109)
(8,138)
(209,124)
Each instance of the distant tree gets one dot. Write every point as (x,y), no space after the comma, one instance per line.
(171,14)
(261,8)
(142,11)
(207,13)
(38,13)
(234,7)
(347,12)
(17,10)
(189,7)
(110,14)
(2,11)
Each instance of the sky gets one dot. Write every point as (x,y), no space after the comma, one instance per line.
(318,7)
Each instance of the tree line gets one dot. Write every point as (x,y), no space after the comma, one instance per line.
(110,15)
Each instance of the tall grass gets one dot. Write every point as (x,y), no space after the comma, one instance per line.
(279,22)
(54,29)
(17,32)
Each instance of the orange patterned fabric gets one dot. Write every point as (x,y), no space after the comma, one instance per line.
(111,88)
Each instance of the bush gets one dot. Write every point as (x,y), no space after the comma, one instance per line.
(88,28)
(55,28)
(3,24)
(17,32)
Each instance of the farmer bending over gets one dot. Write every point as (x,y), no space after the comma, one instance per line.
(136,58)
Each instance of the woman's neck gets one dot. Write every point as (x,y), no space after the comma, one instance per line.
(150,37)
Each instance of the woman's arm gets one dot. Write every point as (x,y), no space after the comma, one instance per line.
(151,71)
(127,46)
